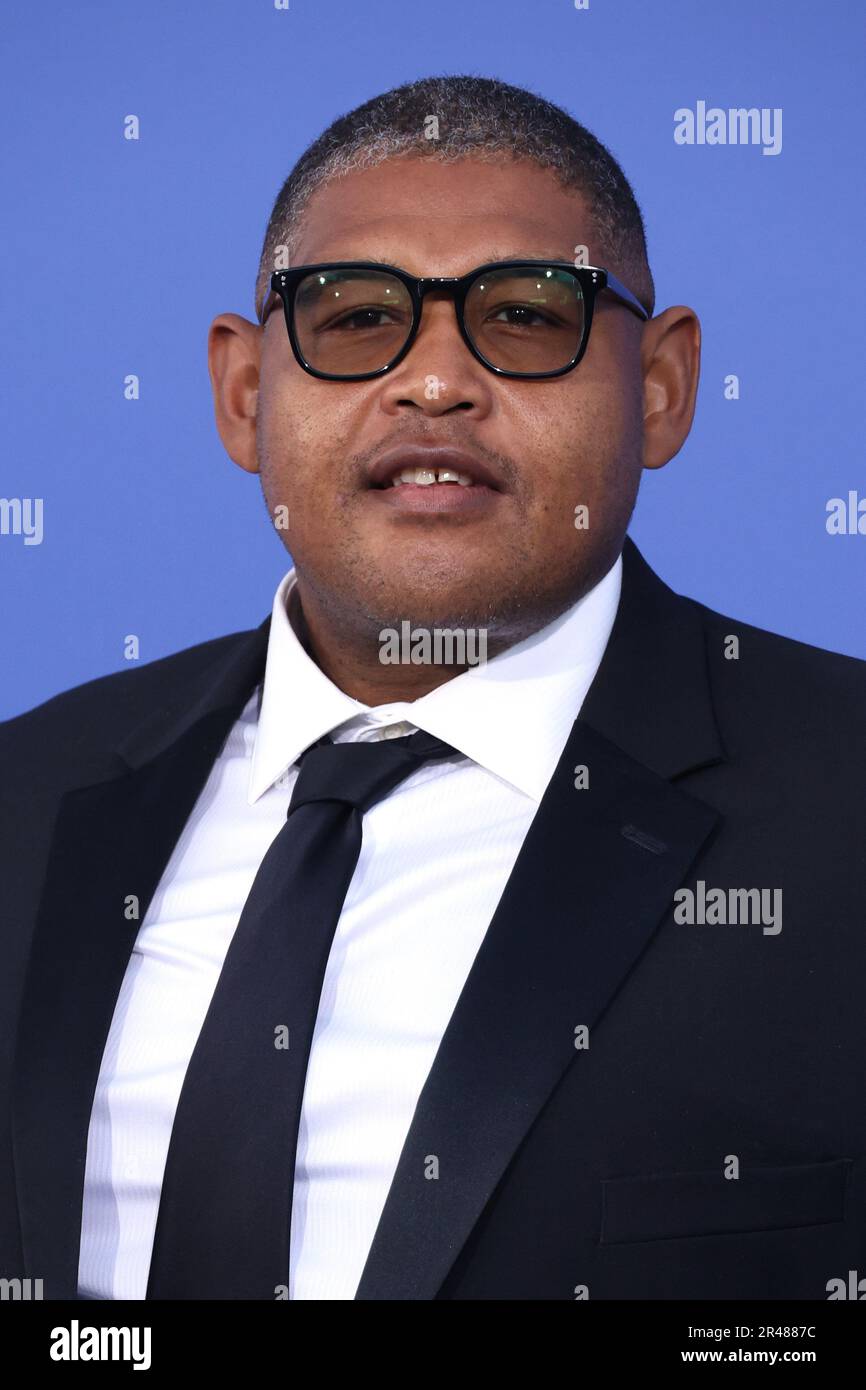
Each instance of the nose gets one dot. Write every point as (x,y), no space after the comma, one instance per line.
(439,374)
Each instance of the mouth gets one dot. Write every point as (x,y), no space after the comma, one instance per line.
(428,478)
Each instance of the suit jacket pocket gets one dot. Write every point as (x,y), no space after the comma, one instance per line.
(666,1206)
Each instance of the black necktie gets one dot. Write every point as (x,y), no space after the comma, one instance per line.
(225,1209)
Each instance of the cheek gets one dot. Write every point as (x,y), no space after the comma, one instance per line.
(297,435)
(579,455)
(574,439)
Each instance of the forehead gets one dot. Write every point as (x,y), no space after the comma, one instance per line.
(437,218)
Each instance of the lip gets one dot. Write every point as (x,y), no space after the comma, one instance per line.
(432,456)
(443,499)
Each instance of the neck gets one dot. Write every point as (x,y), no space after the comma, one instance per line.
(353,661)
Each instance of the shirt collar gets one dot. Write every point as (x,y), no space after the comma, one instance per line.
(511,714)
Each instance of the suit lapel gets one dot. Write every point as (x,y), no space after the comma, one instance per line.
(594,879)
(111,840)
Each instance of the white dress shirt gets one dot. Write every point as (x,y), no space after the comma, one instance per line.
(436,856)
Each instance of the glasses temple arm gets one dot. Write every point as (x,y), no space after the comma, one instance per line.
(625,295)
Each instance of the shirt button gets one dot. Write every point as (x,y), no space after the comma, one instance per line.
(397,730)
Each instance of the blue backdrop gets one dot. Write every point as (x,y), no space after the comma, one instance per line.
(117,254)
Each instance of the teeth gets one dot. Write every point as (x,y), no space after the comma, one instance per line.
(423,477)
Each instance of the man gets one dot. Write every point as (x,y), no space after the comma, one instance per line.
(336,970)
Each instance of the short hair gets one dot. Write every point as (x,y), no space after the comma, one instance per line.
(480,118)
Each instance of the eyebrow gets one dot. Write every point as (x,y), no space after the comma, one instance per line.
(533,255)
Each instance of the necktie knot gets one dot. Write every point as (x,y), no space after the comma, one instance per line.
(360,774)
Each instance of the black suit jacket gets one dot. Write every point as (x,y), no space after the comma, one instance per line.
(565,1171)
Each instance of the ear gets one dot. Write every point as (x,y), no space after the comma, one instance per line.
(233,357)
(671,364)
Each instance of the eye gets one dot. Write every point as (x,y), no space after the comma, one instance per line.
(362,317)
(372,317)
(519,316)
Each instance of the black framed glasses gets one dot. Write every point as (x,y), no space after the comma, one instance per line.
(355,320)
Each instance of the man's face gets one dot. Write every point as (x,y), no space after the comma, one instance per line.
(369,557)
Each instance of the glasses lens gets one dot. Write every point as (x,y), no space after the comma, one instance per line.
(528,320)
(348,322)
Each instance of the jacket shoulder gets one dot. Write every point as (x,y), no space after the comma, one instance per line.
(774,648)
(92,717)
(780,687)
